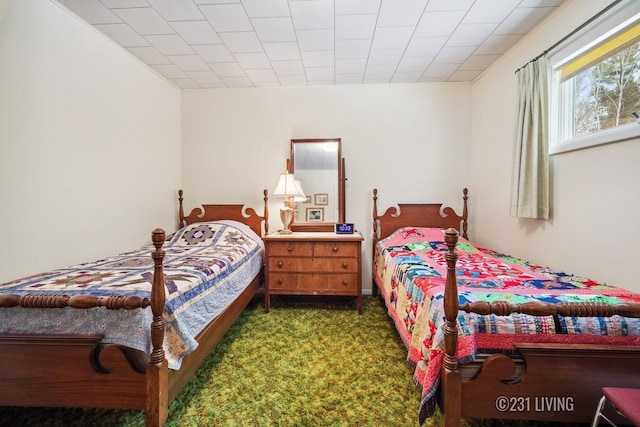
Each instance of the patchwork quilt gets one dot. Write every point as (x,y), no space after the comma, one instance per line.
(207,266)
(410,269)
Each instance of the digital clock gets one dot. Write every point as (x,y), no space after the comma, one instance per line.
(344,229)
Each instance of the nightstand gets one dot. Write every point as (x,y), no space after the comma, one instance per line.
(313,263)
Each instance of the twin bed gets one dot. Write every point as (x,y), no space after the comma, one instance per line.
(129,331)
(493,336)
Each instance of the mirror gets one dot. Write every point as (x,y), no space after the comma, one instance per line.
(319,166)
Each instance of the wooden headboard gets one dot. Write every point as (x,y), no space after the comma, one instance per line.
(228,211)
(418,215)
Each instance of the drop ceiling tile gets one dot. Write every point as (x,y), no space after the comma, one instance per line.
(116,4)
(356,7)
(196,32)
(189,62)
(355,27)
(406,77)
(312,14)
(351,66)
(448,5)
(177,10)
(274,29)
(282,51)
(463,76)
(391,37)
(414,63)
(439,71)
(149,55)
(91,11)
(170,71)
(470,34)
(237,81)
(227,69)
(300,80)
(383,73)
(262,76)
(204,77)
(478,62)
(354,49)
(322,58)
(315,39)
(425,46)
(145,20)
(122,34)
(241,42)
(401,13)
(497,44)
(385,57)
(214,53)
(227,17)
(521,21)
(215,1)
(453,54)
(170,44)
(324,74)
(266,8)
(348,79)
(287,68)
(185,83)
(489,11)
(540,3)
(438,24)
(254,60)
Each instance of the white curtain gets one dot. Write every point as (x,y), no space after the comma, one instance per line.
(530,185)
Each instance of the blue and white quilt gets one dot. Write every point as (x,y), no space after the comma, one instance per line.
(207,266)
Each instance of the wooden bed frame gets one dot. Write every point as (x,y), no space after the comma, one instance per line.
(80,371)
(547,382)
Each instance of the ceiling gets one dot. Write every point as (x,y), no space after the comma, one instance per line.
(252,43)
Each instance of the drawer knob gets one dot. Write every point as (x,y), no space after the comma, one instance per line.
(345,282)
(345,264)
(335,249)
(280,281)
(280,264)
(290,248)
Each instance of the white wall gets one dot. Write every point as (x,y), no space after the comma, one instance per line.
(411,141)
(593,229)
(89,143)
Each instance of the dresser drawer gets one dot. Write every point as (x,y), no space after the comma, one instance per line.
(335,249)
(313,265)
(290,248)
(314,284)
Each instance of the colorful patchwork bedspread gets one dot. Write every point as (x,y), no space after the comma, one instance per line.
(206,266)
(410,269)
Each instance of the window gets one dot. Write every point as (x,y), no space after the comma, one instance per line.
(595,88)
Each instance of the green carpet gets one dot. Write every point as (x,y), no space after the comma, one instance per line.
(309,362)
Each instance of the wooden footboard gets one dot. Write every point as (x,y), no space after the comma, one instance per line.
(81,371)
(559,382)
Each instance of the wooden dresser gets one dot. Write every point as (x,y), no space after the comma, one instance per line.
(313,263)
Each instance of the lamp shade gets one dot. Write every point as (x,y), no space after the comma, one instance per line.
(287,187)
(301,197)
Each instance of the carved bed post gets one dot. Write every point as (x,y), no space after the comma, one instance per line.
(266,211)
(182,222)
(374,239)
(465,212)
(451,387)
(157,406)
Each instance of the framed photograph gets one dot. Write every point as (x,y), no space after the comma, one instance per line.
(321,199)
(308,200)
(315,214)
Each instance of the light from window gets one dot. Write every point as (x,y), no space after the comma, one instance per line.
(607,94)
(595,88)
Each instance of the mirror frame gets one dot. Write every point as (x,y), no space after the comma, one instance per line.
(327,225)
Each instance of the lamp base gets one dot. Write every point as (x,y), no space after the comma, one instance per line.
(286,215)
